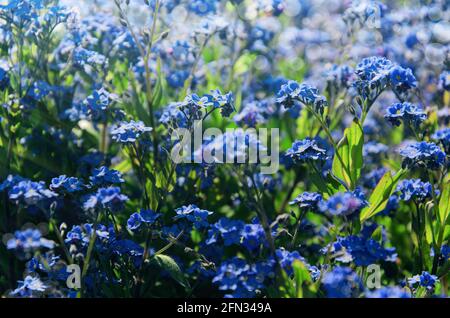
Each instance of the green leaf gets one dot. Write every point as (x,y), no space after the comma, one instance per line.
(444,204)
(158,89)
(350,148)
(168,264)
(380,196)
(301,275)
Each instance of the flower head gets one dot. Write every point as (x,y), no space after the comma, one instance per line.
(194,214)
(28,240)
(305,150)
(425,154)
(343,203)
(129,132)
(307,201)
(411,114)
(342,282)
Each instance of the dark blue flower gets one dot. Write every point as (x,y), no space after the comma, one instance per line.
(414,189)
(30,193)
(230,231)
(82,57)
(253,236)
(98,102)
(425,154)
(292,93)
(389,292)
(342,282)
(69,184)
(343,203)
(224,102)
(28,240)
(194,214)
(305,150)
(39,90)
(105,176)
(402,79)
(444,81)
(308,201)
(129,132)
(411,114)
(148,217)
(425,280)
(4,79)
(287,258)
(106,198)
(202,7)
(443,136)
(360,249)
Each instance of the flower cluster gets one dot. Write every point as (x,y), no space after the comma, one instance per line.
(224,148)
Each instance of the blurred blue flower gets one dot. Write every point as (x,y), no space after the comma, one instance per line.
(342,282)
(28,240)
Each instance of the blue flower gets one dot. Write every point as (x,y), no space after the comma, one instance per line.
(443,136)
(305,150)
(106,198)
(4,79)
(202,7)
(253,237)
(39,90)
(177,78)
(411,114)
(292,93)
(129,132)
(69,184)
(98,102)
(414,189)
(425,154)
(425,280)
(287,258)
(241,279)
(342,282)
(227,229)
(343,203)
(373,73)
(194,214)
(253,113)
(28,240)
(444,81)
(389,292)
(308,201)
(105,176)
(402,79)
(360,249)
(445,252)
(172,117)
(224,102)
(29,286)
(82,57)
(10,181)
(148,217)
(30,193)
